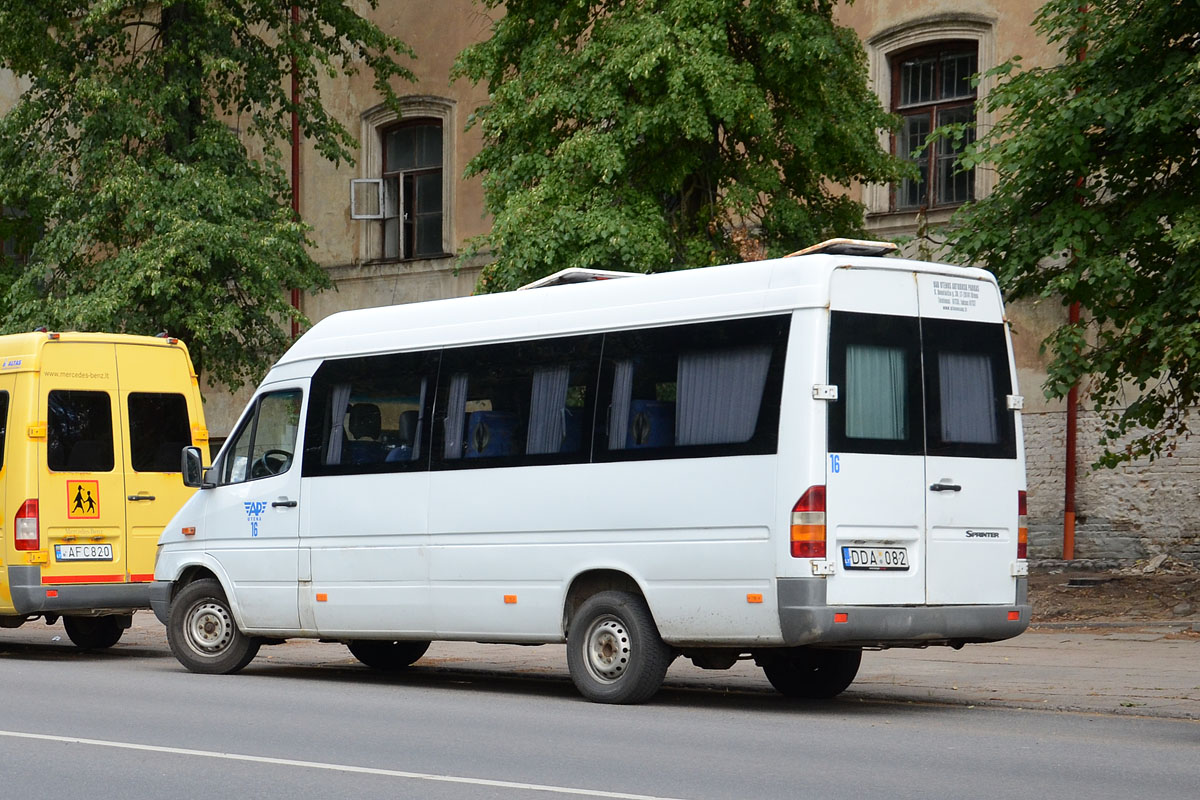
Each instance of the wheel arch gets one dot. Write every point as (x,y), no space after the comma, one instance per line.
(196,571)
(589,582)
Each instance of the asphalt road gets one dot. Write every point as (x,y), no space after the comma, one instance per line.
(308,722)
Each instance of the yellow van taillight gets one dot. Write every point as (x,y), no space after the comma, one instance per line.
(808,524)
(26,527)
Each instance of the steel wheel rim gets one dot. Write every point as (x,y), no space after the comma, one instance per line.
(209,628)
(607,649)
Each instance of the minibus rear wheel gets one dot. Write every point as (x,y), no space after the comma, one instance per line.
(387,656)
(614,651)
(202,632)
(809,673)
(94,633)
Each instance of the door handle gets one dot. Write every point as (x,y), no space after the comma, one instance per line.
(284,504)
(136,497)
(945,487)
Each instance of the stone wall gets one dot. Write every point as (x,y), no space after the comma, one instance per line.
(1135,511)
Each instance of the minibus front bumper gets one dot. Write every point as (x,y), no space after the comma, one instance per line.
(805,618)
(31,596)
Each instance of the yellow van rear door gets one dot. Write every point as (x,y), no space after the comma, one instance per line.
(157,405)
(81,487)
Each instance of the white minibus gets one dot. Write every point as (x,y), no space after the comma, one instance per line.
(789,461)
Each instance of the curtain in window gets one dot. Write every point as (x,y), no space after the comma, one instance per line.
(876,391)
(547,406)
(618,411)
(416,443)
(339,401)
(456,415)
(967,398)
(719,394)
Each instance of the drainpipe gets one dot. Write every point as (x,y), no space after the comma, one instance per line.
(1068,547)
(295,157)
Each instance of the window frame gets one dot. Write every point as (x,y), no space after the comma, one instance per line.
(932,110)
(134,421)
(50,432)
(225,463)
(407,199)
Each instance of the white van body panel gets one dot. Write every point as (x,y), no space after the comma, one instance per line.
(491,554)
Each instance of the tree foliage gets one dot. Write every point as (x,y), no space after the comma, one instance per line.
(141,169)
(662,134)
(1098,202)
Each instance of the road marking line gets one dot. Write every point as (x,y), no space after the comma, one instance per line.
(288,762)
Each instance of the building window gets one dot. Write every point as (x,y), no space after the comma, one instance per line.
(412,190)
(931,87)
(405,190)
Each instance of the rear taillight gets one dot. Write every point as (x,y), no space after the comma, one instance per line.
(1022,526)
(808,524)
(26,527)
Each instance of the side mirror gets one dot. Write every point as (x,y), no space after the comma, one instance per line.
(192,467)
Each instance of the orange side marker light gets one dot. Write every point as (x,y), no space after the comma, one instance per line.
(322,597)
(510,599)
(189,531)
(754,598)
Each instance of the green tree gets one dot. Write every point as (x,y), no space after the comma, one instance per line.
(1098,202)
(662,134)
(141,170)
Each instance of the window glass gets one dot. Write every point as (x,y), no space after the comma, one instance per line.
(931,87)
(3,424)
(524,403)
(968,383)
(693,390)
(265,444)
(412,185)
(876,392)
(79,432)
(159,429)
(369,414)
(875,361)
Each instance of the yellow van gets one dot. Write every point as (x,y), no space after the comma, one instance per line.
(91,430)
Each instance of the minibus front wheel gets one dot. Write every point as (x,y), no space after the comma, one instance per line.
(614,651)
(202,633)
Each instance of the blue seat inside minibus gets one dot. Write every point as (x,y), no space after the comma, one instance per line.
(491,433)
(651,424)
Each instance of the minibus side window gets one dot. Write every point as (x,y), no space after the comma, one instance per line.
(266,442)
(158,431)
(517,404)
(370,414)
(875,361)
(79,435)
(708,389)
(967,383)
(3,424)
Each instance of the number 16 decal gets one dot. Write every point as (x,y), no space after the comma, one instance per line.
(835,463)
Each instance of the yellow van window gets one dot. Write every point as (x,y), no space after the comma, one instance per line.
(158,431)
(3,424)
(79,432)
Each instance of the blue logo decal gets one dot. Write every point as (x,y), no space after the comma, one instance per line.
(12,362)
(254,512)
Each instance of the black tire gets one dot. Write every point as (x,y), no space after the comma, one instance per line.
(614,652)
(808,673)
(202,632)
(387,656)
(94,633)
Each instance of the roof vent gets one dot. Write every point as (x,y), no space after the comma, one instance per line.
(848,247)
(577,275)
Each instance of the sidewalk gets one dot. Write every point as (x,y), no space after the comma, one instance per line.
(1150,669)
(1147,668)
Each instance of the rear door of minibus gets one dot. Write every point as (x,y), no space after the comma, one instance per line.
(922,472)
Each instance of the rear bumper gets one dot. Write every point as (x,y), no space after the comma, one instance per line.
(806,619)
(29,594)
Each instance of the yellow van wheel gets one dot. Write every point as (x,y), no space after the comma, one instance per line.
(94,633)
(203,634)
